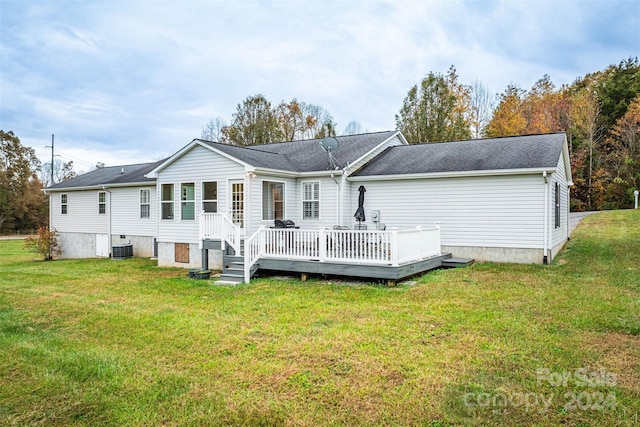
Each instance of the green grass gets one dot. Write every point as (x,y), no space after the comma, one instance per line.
(103,342)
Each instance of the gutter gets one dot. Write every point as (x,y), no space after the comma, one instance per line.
(545,238)
(101,186)
(454,174)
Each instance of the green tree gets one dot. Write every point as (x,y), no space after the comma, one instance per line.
(435,110)
(22,203)
(253,123)
(617,87)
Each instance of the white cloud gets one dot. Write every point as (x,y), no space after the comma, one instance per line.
(139,78)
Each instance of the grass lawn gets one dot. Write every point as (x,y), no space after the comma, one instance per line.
(104,342)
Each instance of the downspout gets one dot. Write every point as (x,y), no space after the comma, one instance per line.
(568,212)
(343,180)
(545,239)
(106,189)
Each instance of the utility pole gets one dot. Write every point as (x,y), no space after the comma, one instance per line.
(51,146)
(52,136)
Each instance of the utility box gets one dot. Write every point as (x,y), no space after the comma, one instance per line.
(122,251)
(375,216)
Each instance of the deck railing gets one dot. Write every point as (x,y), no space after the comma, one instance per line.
(218,226)
(389,247)
(375,247)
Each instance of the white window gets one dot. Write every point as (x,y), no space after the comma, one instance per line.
(167,201)
(63,204)
(102,202)
(272,200)
(311,200)
(210,196)
(188,201)
(145,203)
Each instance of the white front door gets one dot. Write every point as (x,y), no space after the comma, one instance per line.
(102,245)
(236,205)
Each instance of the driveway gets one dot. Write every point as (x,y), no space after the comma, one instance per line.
(576,217)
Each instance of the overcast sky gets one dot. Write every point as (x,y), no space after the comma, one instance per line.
(132,81)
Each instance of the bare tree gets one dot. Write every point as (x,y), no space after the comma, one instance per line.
(482,105)
(353,128)
(212,130)
(62,171)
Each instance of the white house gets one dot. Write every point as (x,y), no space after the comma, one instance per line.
(501,199)
(106,207)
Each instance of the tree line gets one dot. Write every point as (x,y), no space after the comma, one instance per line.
(600,113)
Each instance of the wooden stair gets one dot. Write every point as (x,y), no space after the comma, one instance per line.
(233,268)
(455,262)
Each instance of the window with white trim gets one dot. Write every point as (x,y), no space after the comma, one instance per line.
(63,204)
(188,201)
(145,203)
(102,202)
(210,196)
(311,200)
(272,200)
(167,201)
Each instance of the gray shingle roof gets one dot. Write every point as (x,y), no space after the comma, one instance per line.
(112,175)
(518,152)
(304,155)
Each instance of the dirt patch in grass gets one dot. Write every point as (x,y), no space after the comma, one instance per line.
(618,354)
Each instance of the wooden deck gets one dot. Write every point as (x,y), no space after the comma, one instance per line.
(391,273)
(391,254)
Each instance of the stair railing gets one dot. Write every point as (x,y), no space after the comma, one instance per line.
(253,250)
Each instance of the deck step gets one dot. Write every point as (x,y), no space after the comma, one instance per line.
(454,262)
(226,282)
(231,277)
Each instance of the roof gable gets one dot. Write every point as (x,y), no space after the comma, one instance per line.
(292,156)
(509,153)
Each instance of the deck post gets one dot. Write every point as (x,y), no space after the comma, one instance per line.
(322,242)
(204,258)
(394,248)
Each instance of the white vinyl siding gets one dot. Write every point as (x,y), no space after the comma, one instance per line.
(497,211)
(82,215)
(125,212)
(311,200)
(560,234)
(198,165)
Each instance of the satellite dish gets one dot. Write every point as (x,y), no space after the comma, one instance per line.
(329,144)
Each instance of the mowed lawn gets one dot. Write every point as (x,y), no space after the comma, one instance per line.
(104,342)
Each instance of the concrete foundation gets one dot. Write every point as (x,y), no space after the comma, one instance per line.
(142,245)
(167,257)
(77,245)
(508,255)
(488,254)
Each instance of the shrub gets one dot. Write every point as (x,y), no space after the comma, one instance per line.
(44,242)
